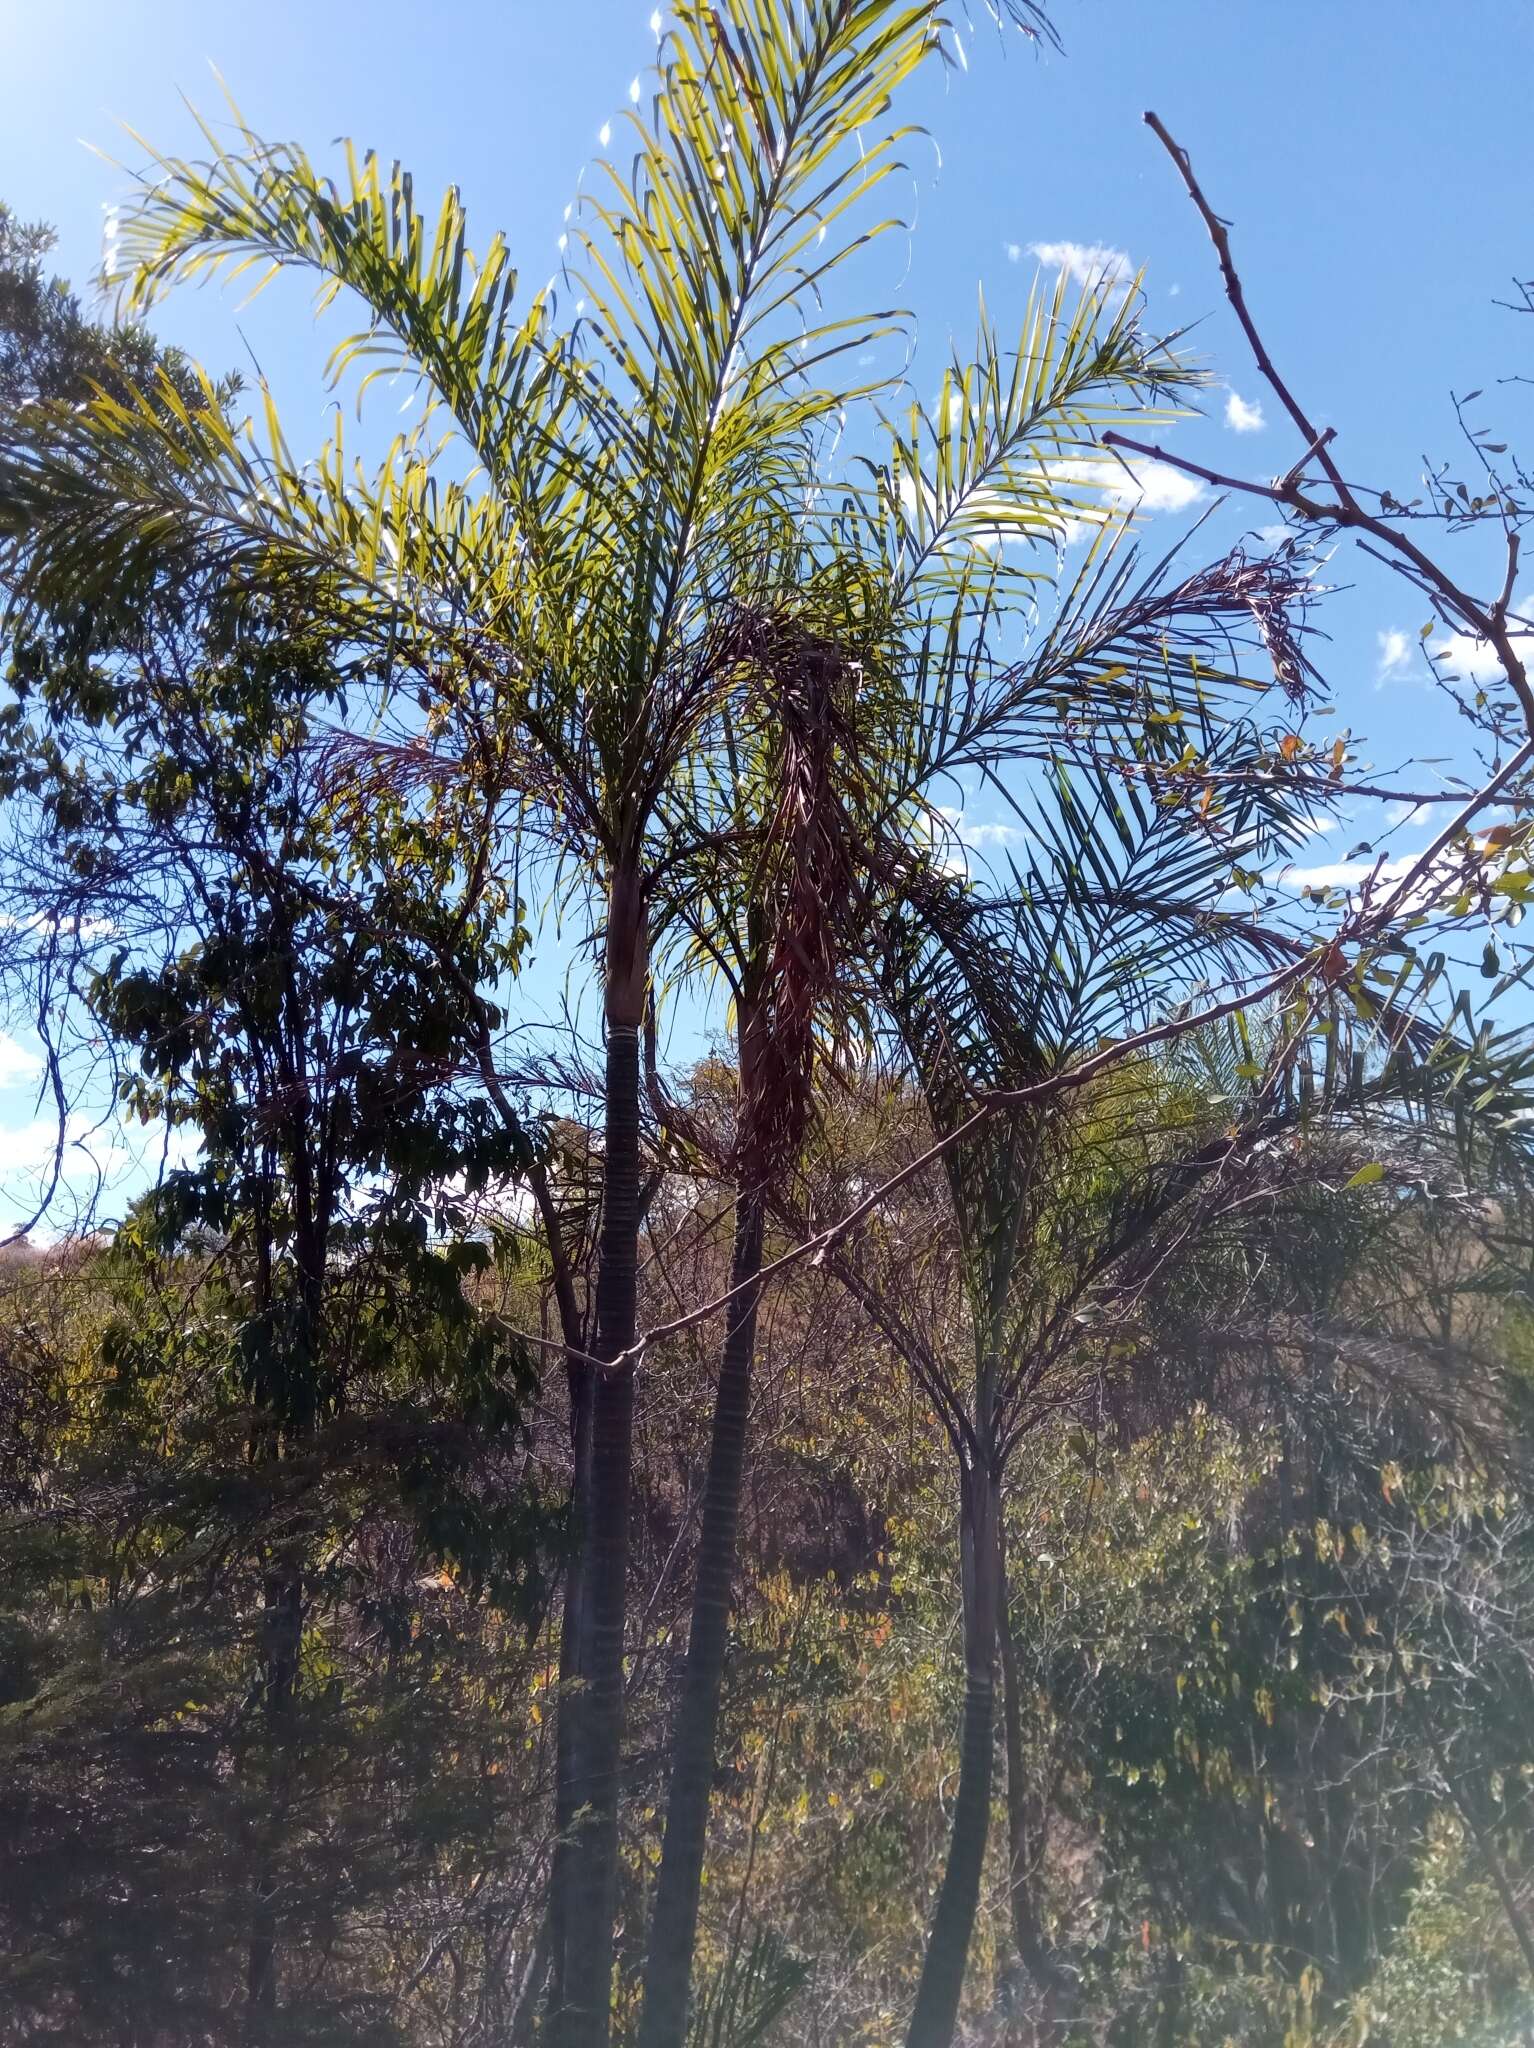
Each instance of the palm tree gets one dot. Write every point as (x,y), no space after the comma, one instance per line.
(865,689)
(546,577)
(555,588)
(1064,1210)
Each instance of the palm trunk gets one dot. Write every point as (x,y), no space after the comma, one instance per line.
(567,1739)
(1033,1948)
(585,2016)
(673,1930)
(942,1977)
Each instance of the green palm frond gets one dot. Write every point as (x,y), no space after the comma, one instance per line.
(1008,457)
(1118,906)
(1117,911)
(704,260)
(700,255)
(435,311)
(111,498)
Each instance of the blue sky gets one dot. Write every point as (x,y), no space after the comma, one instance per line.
(1375,161)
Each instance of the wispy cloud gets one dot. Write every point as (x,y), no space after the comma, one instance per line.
(1241,417)
(1473,660)
(996,833)
(1463,656)
(105,1155)
(959,836)
(1395,653)
(1088,263)
(90,1149)
(1339,874)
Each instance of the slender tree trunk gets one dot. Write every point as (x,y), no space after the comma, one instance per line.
(567,1740)
(281,1629)
(282,1601)
(673,1929)
(585,2015)
(554,1934)
(1033,1948)
(942,1977)
(538,1968)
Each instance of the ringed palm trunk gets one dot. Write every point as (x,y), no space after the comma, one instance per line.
(583,2019)
(953,1920)
(673,1929)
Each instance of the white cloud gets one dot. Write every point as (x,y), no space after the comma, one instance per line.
(1463,656)
(112,1155)
(1395,653)
(997,833)
(1133,484)
(18,1062)
(90,1147)
(1089,263)
(87,927)
(1158,487)
(1104,485)
(1476,660)
(26,1148)
(959,836)
(1014,252)
(1441,881)
(1241,417)
(1333,874)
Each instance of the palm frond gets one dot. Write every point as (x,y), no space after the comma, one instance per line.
(436,312)
(117,497)
(1009,458)
(1173,659)
(704,260)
